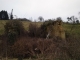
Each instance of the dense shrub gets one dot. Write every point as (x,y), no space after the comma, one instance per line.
(73,42)
(34,30)
(44,26)
(47,48)
(13,29)
(39,48)
(49,26)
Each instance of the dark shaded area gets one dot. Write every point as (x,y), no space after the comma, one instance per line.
(4,15)
(11,16)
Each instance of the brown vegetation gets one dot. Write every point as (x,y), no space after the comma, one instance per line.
(39,48)
(54,29)
(33,43)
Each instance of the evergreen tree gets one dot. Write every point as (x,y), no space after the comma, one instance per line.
(4,15)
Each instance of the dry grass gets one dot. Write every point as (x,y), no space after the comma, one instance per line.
(24,59)
(2,23)
(26,24)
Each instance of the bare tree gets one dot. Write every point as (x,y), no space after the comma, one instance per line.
(41,18)
(73,19)
(11,16)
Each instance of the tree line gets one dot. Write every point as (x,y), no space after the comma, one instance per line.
(4,15)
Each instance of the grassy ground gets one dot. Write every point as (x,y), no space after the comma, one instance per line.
(72,29)
(67,27)
(25,24)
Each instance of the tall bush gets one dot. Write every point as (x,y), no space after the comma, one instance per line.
(34,30)
(13,29)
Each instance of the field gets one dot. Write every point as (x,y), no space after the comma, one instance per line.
(72,29)
(25,24)
(67,27)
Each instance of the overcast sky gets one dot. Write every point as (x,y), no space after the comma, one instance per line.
(48,9)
